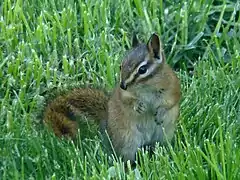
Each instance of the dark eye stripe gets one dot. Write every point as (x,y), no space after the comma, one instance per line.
(134,79)
(152,73)
(137,75)
(129,72)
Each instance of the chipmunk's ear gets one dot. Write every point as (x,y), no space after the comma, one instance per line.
(135,41)
(154,46)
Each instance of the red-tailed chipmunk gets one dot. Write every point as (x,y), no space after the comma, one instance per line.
(142,110)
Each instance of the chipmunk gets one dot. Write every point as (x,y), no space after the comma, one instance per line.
(142,109)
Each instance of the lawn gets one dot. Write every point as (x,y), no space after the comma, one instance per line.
(49,44)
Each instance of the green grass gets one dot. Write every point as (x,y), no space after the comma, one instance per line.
(46,44)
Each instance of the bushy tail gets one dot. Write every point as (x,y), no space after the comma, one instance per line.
(63,113)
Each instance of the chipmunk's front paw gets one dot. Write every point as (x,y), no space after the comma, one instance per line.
(140,107)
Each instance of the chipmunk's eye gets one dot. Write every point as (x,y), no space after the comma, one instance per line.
(142,69)
(120,67)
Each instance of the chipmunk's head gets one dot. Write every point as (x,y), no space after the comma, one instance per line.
(142,62)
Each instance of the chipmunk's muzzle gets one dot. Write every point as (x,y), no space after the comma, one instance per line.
(123,85)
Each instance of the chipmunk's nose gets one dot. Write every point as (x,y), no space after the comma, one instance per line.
(123,85)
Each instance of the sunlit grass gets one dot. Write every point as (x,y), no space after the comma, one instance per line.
(46,44)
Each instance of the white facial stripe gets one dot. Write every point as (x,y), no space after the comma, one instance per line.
(149,71)
(142,64)
(159,61)
(153,67)
(131,77)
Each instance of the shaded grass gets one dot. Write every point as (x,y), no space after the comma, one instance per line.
(46,44)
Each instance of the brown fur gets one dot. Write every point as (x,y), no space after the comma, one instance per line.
(128,128)
(63,112)
(142,111)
